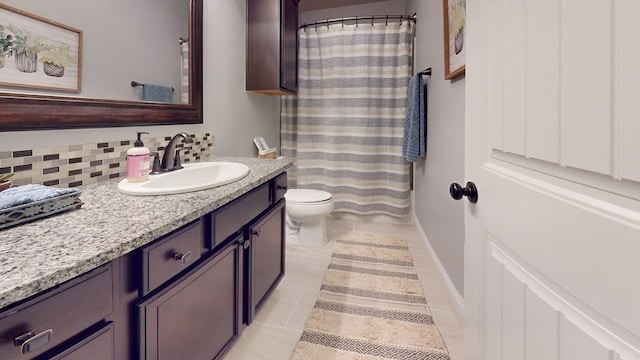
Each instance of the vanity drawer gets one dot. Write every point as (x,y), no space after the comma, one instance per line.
(97,345)
(41,323)
(168,256)
(279,187)
(232,217)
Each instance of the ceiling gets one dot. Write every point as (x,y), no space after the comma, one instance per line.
(308,5)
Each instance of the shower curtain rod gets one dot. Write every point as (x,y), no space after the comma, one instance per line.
(361,18)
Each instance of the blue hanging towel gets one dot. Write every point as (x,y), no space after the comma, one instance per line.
(157,93)
(414,142)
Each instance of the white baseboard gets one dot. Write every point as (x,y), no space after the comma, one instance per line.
(456,299)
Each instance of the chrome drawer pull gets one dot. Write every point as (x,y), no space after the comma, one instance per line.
(183,258)
(30,341)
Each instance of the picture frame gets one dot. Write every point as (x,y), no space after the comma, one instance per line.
(39,53)
(454,13)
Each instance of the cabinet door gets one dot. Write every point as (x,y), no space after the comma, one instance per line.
(272,46)
(265,254)
(289,46)
(196,316)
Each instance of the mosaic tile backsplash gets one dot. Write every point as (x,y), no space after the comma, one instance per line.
(76,165)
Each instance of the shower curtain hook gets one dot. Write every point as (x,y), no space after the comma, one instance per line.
(372,17)
(386,21)
(356,21)
(343,23)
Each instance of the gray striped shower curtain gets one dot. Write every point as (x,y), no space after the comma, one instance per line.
(345,126)
(184,72)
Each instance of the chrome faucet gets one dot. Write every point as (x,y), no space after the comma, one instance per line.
(171,157)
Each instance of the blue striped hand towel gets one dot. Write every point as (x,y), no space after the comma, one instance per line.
(414,142)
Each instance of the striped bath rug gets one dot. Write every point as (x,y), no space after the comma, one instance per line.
(371,306)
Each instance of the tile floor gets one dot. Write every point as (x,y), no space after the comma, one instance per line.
(277,328)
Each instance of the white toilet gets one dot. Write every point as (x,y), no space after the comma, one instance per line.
(306,213)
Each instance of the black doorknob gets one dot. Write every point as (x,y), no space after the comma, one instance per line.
(470,191)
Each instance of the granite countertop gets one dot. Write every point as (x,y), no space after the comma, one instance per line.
(41,254)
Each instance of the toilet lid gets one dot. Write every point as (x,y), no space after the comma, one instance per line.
(307,195)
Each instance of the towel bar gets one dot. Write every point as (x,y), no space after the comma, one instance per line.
(136,84)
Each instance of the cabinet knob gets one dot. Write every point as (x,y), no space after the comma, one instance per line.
(246,244)
(256,232)
(31,341)
(183,258)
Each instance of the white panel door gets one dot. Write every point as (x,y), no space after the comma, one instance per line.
(552,252)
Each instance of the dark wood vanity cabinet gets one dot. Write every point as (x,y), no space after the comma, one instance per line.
(272,47)
(202,310)
(186,295)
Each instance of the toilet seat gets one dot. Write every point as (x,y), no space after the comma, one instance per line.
(307,196)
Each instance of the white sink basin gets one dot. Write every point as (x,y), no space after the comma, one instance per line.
(194,177)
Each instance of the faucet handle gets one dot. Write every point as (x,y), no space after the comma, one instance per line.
(177,164)
(155,168)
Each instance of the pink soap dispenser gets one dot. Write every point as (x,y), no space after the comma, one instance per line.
(138,161)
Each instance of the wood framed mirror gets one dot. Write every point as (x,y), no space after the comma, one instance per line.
(28,111)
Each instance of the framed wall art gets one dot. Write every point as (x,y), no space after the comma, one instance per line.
(454,28)
(38,53)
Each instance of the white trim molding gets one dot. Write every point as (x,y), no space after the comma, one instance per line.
(456,299)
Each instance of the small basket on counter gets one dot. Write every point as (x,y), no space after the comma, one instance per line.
(264,151)
(267,154)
